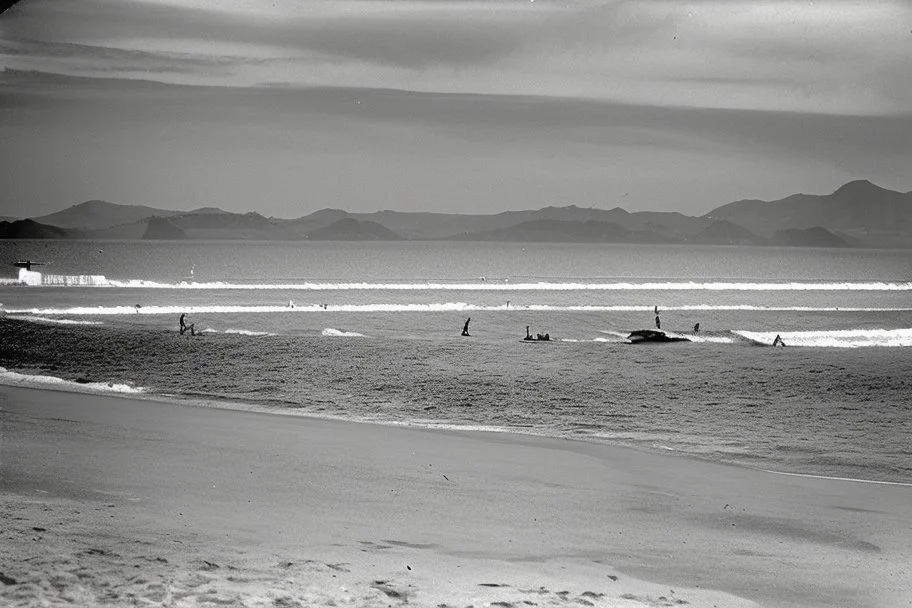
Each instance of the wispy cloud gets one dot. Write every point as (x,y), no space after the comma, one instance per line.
(830,56)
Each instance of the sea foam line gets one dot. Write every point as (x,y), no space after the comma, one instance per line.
(53,321)
(431,307)
(852,479)
(526,286)
(19,379)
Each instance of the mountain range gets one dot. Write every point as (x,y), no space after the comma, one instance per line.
(858,214)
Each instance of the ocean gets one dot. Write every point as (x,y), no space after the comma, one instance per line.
(371,332)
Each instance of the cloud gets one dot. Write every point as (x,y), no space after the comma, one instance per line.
(832,56)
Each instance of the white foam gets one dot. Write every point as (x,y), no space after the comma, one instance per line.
(832,478)
(703,338)
(527,286)
(54,321)
(843,338)
(243,332)
(405,307)
(329,331)
(37,380)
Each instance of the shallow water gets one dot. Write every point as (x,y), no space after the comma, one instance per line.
(283,332)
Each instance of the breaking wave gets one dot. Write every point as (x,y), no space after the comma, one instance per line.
(506,285)
(54,321)
(243,332)
(845,338)
(433,307)
(36,380)
(329,331)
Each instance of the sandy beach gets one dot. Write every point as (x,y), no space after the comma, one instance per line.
(117,501)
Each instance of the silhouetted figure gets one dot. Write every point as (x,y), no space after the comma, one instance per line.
(465,328)
(778,341)
(183,324)
(696,328)
(528,335)
(658,322)
(193,329)
(656,310)
(547,336)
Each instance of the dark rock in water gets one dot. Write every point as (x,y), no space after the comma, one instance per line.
(653,335)
(81,380)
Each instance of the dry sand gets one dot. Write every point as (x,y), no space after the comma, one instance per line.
(114,501)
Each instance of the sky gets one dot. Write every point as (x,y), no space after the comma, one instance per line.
(286,107)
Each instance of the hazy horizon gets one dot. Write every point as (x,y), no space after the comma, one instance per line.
(446,106)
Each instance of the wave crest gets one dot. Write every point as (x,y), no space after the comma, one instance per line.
(840,338)
(38,380)
(330,331)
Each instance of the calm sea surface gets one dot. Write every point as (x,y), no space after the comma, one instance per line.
(371,331)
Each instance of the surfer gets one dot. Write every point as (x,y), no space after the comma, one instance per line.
(696,327)
(656,309)
(193,329)
(528,335)
(183,324)
(658,322)
(465,328)
(778,341)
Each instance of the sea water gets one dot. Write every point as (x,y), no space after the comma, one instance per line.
(371,331)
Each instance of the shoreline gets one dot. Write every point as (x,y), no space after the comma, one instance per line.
(56,384)
(462,509)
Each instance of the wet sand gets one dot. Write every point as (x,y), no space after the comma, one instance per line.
(117,501)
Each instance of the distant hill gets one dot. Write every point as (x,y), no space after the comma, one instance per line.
(875,216)
(161,228)
(812,237)
(208,210)
(30,229)
(350,229)
(94,215)
(721,232)
(590,231)
(858,214)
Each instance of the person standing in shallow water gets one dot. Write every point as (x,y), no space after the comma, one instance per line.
(183,324)
(658,322)
(465,329)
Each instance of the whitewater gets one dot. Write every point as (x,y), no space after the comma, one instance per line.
(372,332)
